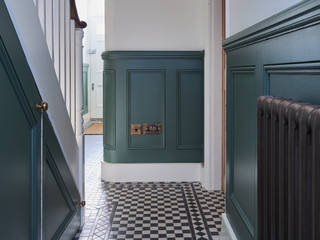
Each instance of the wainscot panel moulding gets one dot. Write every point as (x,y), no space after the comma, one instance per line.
(280,57)
(143,92)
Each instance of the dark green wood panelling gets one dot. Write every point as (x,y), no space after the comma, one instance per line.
(146,103)
(55,206)
(20,138)
(109,100)
(62,195)
(279,57)
(190,103)
(302,76)
(147,85)
(20,150)
(243,185)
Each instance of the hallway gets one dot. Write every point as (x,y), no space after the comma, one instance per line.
(146,210)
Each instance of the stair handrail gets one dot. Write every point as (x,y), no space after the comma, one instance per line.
(74,15)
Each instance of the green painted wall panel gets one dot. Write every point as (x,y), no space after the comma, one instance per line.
(147,104)
(147,85)
(279,57)
(243,189)
(55,206)
(109,100)
(307,83)
(18,131)
(190,103)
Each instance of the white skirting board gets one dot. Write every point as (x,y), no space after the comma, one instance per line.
(226,231)
(150,172)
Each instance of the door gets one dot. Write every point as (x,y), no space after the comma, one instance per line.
(96,44)
(61,213)
(20,139)
(19,155)
(22,188)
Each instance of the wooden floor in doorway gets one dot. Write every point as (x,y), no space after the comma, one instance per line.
(94,129)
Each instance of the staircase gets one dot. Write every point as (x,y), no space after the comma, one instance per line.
(63,32)
(59,48)
(49,34)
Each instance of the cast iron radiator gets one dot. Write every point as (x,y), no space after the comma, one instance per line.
(288,170)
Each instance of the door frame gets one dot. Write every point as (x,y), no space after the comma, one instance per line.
(223,140)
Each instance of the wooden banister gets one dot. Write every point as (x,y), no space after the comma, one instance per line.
(74,15)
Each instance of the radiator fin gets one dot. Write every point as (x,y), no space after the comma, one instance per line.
(288,169)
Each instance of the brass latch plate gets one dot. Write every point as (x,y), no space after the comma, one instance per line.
(152,128)
(136,129)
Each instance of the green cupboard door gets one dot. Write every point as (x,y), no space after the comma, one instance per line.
(19,154)
(61,213)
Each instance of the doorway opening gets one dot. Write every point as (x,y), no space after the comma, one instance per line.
(94,44)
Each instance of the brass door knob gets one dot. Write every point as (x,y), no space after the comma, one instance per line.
(82,203)
(42,106)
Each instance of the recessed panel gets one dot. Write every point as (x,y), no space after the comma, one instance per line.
(56,208)
(146,104)
(16,156)
(244,155)
(109,100)
(190,109)
(300,87)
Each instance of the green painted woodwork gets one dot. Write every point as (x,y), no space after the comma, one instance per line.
(153,87)
(280,57)
(61,196)
(85,88)
(109,106)
(189,98)
(19,129)
(146,103)
(20,153)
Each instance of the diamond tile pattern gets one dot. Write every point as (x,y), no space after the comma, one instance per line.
(147,210)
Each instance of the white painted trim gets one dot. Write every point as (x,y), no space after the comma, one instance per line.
(68,58)
(62,49)
(42,14)
(211,172)
(227,232)
(79,109)
(73,75)
(150,172)
(49,26)
(56,36)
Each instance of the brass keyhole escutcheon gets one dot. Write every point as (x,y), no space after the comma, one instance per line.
(82,203)
(42,106)
(136,129)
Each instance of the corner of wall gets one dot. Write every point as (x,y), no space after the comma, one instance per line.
(211,170)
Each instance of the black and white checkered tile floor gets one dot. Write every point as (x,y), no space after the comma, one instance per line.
(148,210)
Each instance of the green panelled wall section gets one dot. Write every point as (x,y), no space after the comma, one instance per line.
(281,57)
(20,154)
(163,87)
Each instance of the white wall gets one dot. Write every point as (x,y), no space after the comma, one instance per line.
(211,171)
(245,13)
(154,24)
